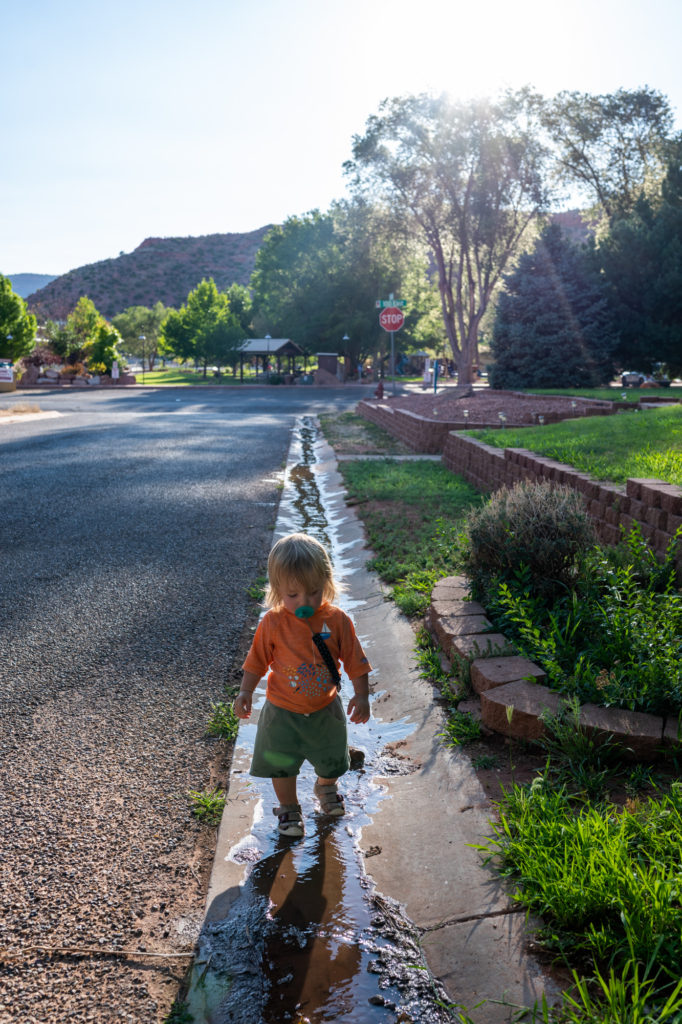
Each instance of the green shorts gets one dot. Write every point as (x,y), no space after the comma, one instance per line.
(285,739)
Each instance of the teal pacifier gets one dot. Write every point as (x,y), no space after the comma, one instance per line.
(304,612)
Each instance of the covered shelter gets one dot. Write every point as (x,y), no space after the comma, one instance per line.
(268,349)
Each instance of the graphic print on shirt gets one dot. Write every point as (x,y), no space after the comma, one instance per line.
(309,680)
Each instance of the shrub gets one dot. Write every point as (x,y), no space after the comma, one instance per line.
(534,528)
(41,356)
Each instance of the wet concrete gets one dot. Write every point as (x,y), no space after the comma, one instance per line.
(338,926)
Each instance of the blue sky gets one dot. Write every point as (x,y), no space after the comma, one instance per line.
(130,119)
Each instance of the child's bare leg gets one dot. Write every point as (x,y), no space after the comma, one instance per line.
(326,782)
(285,790)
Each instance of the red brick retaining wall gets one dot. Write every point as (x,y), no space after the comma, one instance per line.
(655,505)
(419,433)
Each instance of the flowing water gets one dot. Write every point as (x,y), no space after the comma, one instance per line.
(309,939)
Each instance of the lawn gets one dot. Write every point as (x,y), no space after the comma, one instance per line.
(614,394)
(413,512)
(185,378)
(646,444)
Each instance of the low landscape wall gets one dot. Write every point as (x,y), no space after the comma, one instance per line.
(654,505)
(428,435)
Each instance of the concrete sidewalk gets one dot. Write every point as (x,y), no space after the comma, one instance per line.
(418,844)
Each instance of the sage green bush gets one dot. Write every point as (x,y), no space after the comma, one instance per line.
(534,528)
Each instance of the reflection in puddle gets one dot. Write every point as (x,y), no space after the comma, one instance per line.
(309,940)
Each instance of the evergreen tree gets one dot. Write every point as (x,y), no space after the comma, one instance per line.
(553,325)
(642,260)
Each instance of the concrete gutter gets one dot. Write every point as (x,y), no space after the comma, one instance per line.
(418,846)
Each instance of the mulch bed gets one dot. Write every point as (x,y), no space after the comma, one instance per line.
(484,406)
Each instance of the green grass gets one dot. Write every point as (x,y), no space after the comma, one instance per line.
(413,513)
(644,444)
(605,878)
(612,394)
(188,378)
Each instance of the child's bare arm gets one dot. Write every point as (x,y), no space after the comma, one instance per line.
(242,702)
(358,705)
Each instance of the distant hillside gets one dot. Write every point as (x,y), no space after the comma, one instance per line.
(160,269)
(26,284)
(575,225)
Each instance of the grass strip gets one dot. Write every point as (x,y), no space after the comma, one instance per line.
(413,514)
(632,395)
(641,444)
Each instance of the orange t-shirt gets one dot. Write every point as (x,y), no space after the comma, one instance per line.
(299,680)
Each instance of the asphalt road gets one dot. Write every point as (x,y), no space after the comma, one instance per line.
(131,526)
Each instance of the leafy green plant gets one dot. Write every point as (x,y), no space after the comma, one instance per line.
(257,589)
(223,721)
(485,761)
(460,728)
(531,527)
(207,805)
(614,638)
(178,1014)
(631,995)
(576,759)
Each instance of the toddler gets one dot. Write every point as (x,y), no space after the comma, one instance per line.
(302,718)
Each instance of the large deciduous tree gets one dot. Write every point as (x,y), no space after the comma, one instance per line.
(17,325)
(204,329)
(469,179)
(138,322)
(613,147)
(318,277)
(553,326)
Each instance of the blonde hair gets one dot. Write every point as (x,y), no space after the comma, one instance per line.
(303,559)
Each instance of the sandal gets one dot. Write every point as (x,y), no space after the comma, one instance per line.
(290,819)
(330,799)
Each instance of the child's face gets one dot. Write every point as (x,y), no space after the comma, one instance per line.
(296,595)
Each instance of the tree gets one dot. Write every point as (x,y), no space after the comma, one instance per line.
(86,335)
(17,325)
(318,277)
(204,329)
(239,300)
(81,328)
(642,261)
(614,147)
(103,349)
(137,322)
(468,179)
(553,326)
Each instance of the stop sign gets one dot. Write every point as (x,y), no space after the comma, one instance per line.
(391,318)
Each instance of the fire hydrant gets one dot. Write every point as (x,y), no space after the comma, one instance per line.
(379,393)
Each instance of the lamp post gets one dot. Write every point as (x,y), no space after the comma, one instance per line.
(267,358)
(342,374)
(143,339)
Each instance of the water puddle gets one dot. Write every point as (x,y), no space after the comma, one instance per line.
(308,938)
